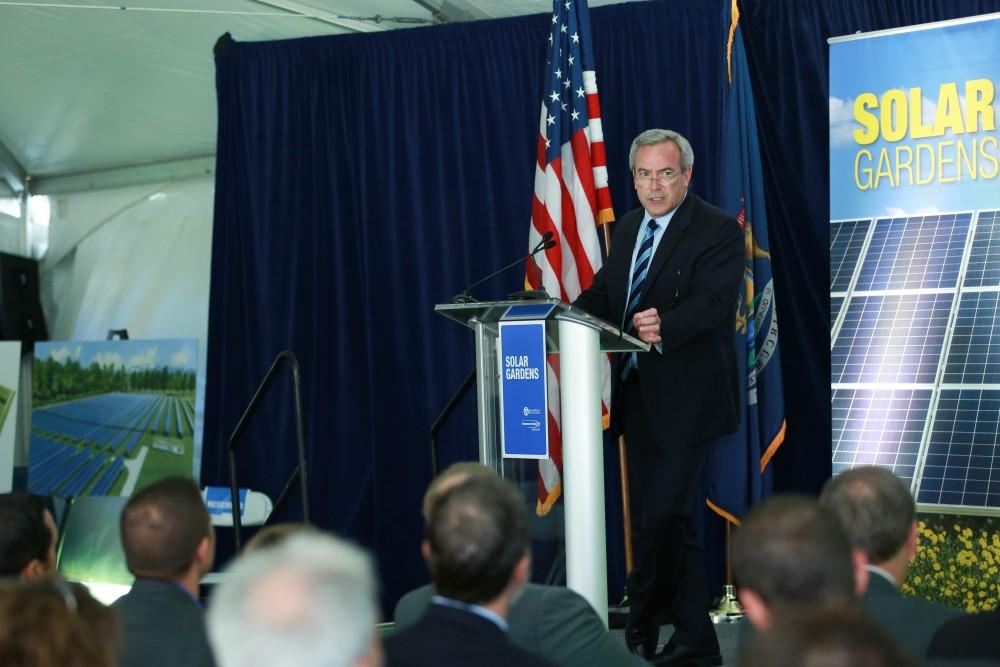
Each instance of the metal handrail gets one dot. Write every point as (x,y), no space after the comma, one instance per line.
(283,357)
(443,417)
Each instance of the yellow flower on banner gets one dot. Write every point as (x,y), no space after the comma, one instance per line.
(957,562)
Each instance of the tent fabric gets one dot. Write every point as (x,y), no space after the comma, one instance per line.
(10,234)
(139,261)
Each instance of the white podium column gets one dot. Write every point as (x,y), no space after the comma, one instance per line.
(583,463)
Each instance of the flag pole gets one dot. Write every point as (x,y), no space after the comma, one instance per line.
(729,609)
(623,466)
(626,506)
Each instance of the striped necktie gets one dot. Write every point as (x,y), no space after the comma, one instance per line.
(642,260)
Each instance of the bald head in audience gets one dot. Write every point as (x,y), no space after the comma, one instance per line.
(167,533)
(308,601)
(789,552)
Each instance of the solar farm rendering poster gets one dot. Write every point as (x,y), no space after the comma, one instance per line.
(109,417)
(915,258)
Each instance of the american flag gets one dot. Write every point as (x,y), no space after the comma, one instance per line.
(571,199)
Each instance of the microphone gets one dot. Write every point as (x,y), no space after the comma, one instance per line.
(546,243)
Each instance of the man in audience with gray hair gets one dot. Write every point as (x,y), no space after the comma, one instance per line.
(876,510)
(308,601)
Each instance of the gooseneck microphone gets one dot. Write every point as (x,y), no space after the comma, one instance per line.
(546,243)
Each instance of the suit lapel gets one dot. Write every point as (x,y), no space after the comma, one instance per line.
(671,239)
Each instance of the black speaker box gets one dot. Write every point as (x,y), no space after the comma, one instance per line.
(21,316)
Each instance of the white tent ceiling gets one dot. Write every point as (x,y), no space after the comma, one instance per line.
(87,87)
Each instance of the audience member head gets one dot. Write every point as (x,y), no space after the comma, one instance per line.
(790,552)
(28,537)
(452,476)
(876,510)
(307,601)
(478,542)
(824,638)
(167,532)
(52,623)
(275,534)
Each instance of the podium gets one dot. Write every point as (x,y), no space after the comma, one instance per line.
(579,338)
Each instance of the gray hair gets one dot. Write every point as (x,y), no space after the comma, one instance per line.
(656,136)
(308,601)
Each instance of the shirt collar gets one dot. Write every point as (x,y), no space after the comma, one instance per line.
(482,612)
(875,569)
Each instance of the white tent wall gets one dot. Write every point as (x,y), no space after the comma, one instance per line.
(10,234)
(135,258)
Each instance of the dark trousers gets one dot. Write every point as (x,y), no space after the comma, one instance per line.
(669,569)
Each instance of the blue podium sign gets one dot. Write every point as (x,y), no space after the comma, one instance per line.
(524,431)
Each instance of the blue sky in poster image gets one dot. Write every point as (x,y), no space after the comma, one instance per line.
(925,59)
(133,355)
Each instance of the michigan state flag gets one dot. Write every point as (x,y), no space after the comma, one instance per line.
(737,467)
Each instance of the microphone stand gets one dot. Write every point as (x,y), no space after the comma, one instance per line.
(465,297)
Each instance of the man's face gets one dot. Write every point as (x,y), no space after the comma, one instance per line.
(50,558)
(659,181)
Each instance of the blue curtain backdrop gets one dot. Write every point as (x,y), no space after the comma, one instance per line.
(363,178)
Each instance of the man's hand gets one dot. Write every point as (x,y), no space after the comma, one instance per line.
(647,325)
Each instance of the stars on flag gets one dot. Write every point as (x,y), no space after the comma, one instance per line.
(565,113)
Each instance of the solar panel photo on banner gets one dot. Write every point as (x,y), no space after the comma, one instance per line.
(836,302)
(915,353)
(846,241)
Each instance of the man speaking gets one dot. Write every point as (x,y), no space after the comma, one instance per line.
(671,279)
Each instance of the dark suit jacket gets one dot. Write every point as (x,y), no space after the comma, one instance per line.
(447,637)
(910,621)
(966,637)
(163,627)
(552,621)
(690,391)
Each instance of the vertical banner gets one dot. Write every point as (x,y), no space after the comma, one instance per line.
(915,258)
(737,464)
